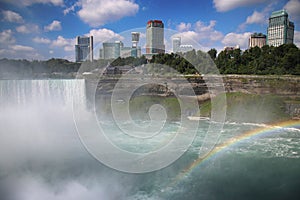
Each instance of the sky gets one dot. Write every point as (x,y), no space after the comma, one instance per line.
(44,29)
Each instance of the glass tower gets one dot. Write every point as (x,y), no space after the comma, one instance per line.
(84,49)
(280,30)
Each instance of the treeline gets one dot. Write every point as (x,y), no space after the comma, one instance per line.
(267,60)
(35,69)
(281,60)
(191,62)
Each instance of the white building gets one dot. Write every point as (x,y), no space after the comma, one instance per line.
(155,37)
(257,39)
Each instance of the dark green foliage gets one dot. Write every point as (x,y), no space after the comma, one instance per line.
(281,60)
(131,61)
(191,62)
(284,59)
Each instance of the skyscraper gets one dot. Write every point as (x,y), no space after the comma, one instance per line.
(111,50)
(257,39)
(155,37)
(135,37)
(176,41)
(135,50)
(280,30)
(84,49)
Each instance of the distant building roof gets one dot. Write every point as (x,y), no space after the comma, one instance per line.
(258,35)
(278,13)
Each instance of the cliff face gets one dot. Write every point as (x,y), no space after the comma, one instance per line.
(278,85)
(286,87)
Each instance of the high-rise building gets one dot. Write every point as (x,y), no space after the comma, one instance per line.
(280,30)
(135,37)
(155,37)
(84,49)
(178,47)
(135,50)
(176,42)
(111,50)
(257,39)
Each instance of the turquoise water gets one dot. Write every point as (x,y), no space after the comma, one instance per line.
(42,157)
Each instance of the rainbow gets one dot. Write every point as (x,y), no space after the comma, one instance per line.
(264,130)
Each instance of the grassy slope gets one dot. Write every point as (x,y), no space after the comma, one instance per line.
(139,106)
(243,107)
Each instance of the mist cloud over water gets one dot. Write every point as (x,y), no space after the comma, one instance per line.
(41,156)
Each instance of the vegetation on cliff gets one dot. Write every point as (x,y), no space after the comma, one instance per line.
(252,108)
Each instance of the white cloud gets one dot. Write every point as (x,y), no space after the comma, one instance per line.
(187,36)
(41,40)
(99,12)
(21,48)
(27,28)
(202,33)
(256,18)
(54,26)
(71,8)
(20,52)
(6,37)
(184,26)
(293,9)
(11,16)
(233,39)
(297,38)
(31,2)
(102,35)
(67,44)
(226,5)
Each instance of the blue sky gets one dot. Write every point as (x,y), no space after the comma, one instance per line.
(42,29)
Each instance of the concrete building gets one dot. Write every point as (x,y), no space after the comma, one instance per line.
(257,39)
(155,37)
(178,47)
(280,30)
(84,49)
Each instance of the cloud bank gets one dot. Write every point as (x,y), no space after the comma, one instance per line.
(99,12)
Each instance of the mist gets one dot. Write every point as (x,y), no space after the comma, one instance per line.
(41,156)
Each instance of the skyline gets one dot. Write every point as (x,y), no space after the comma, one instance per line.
(44,29)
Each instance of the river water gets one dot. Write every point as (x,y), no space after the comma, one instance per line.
(42,155)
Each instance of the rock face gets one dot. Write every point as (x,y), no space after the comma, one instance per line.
(205,87)
(279,85)
(293,109)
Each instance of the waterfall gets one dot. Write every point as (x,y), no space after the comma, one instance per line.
(24,93)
